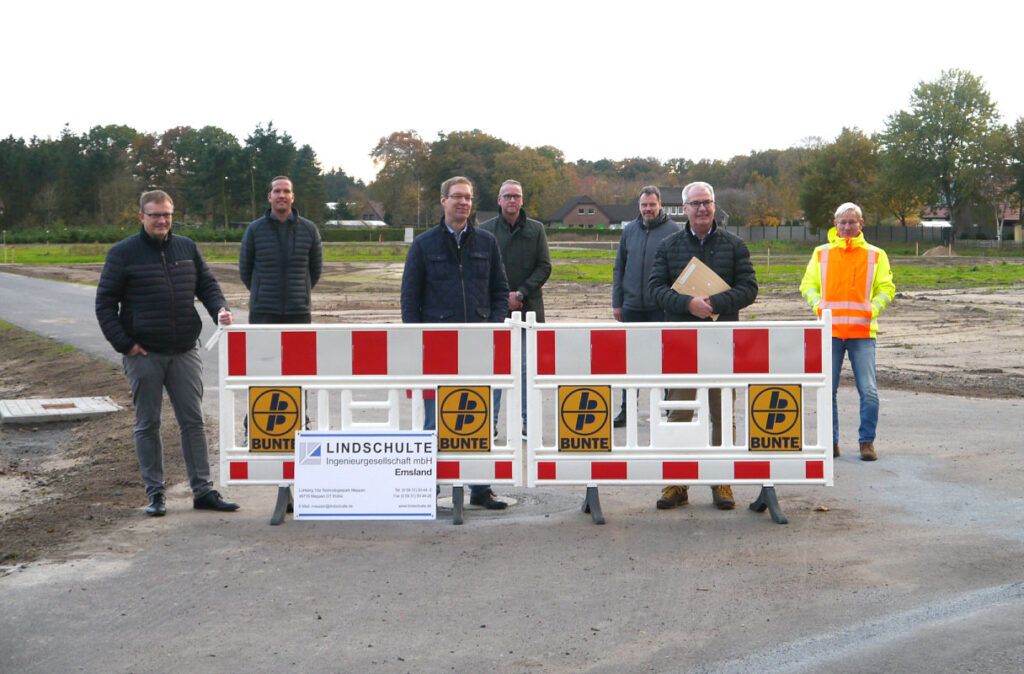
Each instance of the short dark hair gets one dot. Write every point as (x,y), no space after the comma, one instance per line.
(275,179)
(650,189)
(154,196)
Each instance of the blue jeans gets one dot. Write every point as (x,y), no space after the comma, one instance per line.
(430,424)
(862,361)
(639,316)
(498,392)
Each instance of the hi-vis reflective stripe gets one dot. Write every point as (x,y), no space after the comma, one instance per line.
(851,320)
(354,352)
(870,276)
(851,306)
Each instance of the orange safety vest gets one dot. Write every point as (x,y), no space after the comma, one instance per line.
(847,275)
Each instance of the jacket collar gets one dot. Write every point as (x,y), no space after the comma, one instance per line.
(273,218)
(156,243)
(711,232)
(836,241)
(660,219)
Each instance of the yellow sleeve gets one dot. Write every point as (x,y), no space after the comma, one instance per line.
(810,286)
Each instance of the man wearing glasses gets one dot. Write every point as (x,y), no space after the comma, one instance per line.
(453,274)
(145,305)
(524,250)
(726,255)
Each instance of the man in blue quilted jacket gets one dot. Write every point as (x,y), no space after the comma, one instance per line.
(454,274)
(145,305)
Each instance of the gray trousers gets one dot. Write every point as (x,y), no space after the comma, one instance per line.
(182,375)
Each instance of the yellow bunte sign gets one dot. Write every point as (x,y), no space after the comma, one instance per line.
(775,417)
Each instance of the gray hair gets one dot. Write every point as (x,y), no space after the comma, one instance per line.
(509,182)
(848,206)
(686,190)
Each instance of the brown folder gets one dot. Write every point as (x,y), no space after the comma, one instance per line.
(699,279)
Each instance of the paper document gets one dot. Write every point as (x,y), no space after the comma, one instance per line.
(698,279)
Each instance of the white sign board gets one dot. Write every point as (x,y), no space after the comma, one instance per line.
(365,476)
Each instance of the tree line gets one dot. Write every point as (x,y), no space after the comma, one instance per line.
(946,150)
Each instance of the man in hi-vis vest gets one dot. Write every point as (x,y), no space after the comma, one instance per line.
(853,279)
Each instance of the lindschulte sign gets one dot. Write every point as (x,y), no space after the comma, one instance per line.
(365,476)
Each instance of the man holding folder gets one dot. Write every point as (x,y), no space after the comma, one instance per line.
(728,257)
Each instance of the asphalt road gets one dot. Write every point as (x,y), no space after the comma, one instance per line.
(909,564)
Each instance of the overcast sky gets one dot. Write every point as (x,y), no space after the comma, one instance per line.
(597,79)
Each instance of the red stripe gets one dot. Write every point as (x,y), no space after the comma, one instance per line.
(503,352)
(679,470)
(288,470)
(298,353)
(749,350)
(546,470)
(752,470)
(236,354)
(678,351)
(608,470)
(502,470)
(370,352)
(545,352)
(239,470)
(447,470)
(608,352)
(815,470)
(812,350)
(440,352)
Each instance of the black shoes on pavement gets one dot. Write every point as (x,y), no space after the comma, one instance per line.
(212,500)
(157,506)
(620,419)
(487,500)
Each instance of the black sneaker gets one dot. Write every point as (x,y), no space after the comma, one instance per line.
(157,506)
(211,500)
(620,419)
(487,500)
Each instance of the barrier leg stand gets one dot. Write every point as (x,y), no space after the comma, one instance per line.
(592,505)
(767,499)
(457,496)
(284,504)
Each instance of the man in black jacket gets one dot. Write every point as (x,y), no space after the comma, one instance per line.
(453,274)
(728,257)
(145,305)
(631,299)
(524,251)
(280,260)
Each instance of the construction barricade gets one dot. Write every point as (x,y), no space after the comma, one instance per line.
(354,378)
(772,368)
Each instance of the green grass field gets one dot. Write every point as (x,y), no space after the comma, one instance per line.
(595,266)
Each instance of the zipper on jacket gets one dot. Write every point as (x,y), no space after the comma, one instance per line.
(170,291)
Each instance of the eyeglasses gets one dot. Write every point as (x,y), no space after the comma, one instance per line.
(706,203)
(460,197)
(511,197)
(158,216)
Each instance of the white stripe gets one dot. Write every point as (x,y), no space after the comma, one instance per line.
(714,351)
(789,469)
(263,353)
(266,470)
(644,470)
(786,351)
(572,352)
(334,352)
(572,470)
(475,472)
(405,352)
(716,470)
(476,352)
(643,351)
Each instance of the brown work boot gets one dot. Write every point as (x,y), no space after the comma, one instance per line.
(672,496)
(722,497)
(867,451)
(835,449)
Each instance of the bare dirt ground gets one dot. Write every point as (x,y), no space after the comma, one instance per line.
(60,484)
